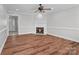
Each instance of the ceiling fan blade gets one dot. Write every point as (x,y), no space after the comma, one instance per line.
(43,11)
(36,11)
(47,9)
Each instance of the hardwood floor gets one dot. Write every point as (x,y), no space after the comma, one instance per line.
(31,44)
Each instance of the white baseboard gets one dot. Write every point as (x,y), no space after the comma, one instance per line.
(32,33)
(63,37)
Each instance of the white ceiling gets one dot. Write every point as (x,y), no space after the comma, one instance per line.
(30,8)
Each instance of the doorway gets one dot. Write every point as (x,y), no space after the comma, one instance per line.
(13,25)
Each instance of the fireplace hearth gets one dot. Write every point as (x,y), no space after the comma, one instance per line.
(39,30)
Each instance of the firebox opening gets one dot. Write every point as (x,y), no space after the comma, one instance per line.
(39,30)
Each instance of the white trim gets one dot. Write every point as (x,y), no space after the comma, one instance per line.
(15,13)
(63,37)
(3,45)
(64,28)
(3,29)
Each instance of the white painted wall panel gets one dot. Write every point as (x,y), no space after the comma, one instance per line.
(26,24)
(65,23)
(3,26)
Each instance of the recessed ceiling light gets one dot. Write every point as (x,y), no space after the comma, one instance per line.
(17,9)
(52,8)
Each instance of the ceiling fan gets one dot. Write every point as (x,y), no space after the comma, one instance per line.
(42,9)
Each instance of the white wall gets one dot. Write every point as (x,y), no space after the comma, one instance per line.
(3,26)
(65,23)
(3,16)
(28,23)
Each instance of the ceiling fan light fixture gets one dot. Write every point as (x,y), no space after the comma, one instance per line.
(39,15)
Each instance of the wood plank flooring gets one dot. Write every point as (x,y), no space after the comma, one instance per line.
(31,44)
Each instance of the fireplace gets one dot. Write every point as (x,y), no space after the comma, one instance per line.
(39,30)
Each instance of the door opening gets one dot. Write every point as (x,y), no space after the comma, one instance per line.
(13,25)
